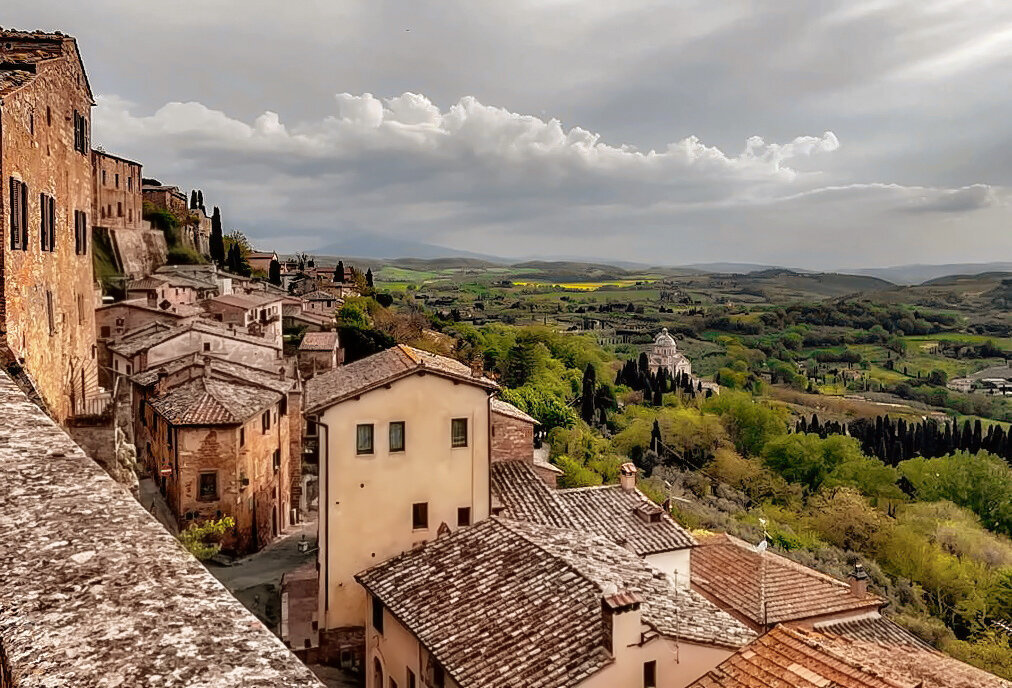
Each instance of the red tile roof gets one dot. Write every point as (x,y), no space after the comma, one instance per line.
(504,408)
(608,510)
(743,580)
(213,401)
(319,341)
(795,658)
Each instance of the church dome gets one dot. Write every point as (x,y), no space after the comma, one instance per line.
(664,339)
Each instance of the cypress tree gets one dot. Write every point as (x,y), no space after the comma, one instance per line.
(368,278)
(217,241)
(193,199)
(339,272)
(274,273)
(655,437)
(587,401)
(644,362)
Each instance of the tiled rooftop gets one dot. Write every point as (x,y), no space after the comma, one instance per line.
(795,658)
(544,587)
(386,366)
(873,629)
(220,367)
(136,341)
(318,341)
(246,301)
(94,593)
(608,511)
(507,409)
(213,401)
(732,572)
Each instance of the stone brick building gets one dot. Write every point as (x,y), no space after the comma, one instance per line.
(47,292)
(256,314)
(116,194)
(512,433)
(319,352)
(218,443)
(194,223)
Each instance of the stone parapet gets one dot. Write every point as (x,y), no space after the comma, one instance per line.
(94,592)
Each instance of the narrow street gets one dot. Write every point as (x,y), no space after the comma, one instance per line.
(256,580)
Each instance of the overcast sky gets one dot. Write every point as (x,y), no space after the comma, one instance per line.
(815,134)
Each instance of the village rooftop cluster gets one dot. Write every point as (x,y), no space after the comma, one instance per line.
(448,556)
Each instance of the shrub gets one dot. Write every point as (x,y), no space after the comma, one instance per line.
(184,255)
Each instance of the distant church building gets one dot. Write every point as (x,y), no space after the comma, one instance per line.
(665,355)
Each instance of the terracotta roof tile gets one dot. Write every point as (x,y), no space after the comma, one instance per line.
(741,579)
(386,366)
(795,658)
(608,511)
(141,339)
(213,401)
(544,586)
(319,341)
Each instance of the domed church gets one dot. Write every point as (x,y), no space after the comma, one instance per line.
(665,355)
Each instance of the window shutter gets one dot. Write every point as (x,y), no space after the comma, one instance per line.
(24,216)
(43,223)
(52,223)
(15,213)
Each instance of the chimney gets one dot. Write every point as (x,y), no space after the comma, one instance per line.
(477,367)
(627,476)
(206,372)
(858,581)
(282,375)
(160,384)
(620,626)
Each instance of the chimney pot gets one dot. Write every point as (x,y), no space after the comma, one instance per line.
(858,581)
(627,476)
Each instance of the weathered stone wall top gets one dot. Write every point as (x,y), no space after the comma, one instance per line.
(94,593)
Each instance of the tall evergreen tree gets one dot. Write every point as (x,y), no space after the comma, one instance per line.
(655,437)
(644,363)
(217,241)
(339,272)
(587,407)
(193,199)
(274,272)
(368,278)
(200,199)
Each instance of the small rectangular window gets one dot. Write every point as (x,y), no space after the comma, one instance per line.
(106,332)
(208,489)
(207,346)
(312,429)
(397,436)
(242,437)
(363,439)
(420,516)
(283,406)
(464,516)
(377,614)
(117,180)
(80,309)
(19,215)
(103,178)
(458,432)
(168,437)
(51,313)
(80,232)
(650,674)
(265,421)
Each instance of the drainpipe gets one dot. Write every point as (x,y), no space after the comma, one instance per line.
(323,525)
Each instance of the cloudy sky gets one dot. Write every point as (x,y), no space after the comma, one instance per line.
(817,134)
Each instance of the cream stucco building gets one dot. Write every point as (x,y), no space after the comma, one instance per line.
(404,456)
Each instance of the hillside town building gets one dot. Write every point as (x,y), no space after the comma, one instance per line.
(518,604)
(47,293)
(218,438)
(762,589)
(319,352)
(404,437)
(261,260)
(257,314)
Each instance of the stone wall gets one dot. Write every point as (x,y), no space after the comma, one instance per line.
(48,315)
(137,252)
(512,439)
(95,592)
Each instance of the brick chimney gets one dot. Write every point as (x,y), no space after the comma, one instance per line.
(627,476)
(207,366)
(858,580)
(620,618)
(282,374)
(477,367)
(160,383)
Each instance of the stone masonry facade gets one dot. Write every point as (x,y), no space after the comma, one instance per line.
(512,439)
(47,294)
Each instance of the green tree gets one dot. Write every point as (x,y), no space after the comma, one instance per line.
(980,482)
(274,272)
(217,241)
(203,540)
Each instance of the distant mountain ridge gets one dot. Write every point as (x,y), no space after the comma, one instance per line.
(919,273)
